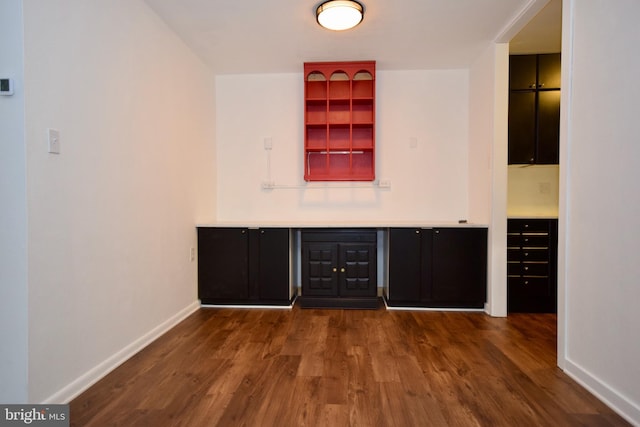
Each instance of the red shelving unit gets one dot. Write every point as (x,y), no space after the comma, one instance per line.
(339,121)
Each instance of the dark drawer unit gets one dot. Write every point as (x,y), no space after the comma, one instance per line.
(339,268)
(532,265)
(238,265)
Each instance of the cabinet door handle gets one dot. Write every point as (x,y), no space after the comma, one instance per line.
(437,231)
(541,85)
(417,231)
(243,231)
(335,269)
(342,270)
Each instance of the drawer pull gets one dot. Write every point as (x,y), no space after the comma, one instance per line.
(335,269)
(342,270)
(526,282)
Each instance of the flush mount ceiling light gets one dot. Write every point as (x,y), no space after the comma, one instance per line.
(339,15)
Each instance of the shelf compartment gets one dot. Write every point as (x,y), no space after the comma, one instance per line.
(362,111)
(339,163)
(362,137)
(339,86)
(363,85)
(362,165)
(339,112)
(339,137)
(316,137)
(316,112)
(316,86)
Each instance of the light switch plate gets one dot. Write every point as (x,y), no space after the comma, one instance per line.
(53,137)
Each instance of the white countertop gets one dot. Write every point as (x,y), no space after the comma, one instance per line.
(340,224)
(532,216)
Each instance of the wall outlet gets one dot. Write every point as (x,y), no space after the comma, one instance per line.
(192,254)
(384,183)
(268,185)
(6,86)
(544,187)
(268,143)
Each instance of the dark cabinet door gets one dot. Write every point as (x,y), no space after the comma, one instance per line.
(405,259)
(223,263)
(273,264)
(339,268)
(534,109)
(522,72)
(548,127)
(548,71)
(522,127)
(459,267)
(357,271)
(319,269)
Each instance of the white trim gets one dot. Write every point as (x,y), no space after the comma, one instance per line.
(247,306)
(473,310)
(86,380)
(520,20)
(612,398)
(477,310)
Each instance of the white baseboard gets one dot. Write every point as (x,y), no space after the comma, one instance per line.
(627,409)
(82,383)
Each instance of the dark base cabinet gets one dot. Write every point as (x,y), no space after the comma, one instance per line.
(437,267)
(532,265)
(339,268)
(244,266)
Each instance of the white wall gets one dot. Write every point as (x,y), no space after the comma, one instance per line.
(111,218)
(13,212)
(600,201)
(488,164)
(428,182)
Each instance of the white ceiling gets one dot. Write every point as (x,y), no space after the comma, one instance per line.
(274,36)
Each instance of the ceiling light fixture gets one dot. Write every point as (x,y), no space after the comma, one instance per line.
(339,15)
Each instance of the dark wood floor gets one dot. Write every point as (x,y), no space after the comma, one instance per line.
(240,367)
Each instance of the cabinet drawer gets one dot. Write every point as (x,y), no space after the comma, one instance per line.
(528,240)
(367,235)
(528,254)
(527,287)
(540,269)
(527,225)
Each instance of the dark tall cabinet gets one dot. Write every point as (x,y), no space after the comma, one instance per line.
(534,109)
(339,268)
(244,265)
(437,267)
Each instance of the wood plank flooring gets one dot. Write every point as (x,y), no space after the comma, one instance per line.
(304,367)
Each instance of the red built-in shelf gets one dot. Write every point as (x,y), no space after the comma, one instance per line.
(339,142)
